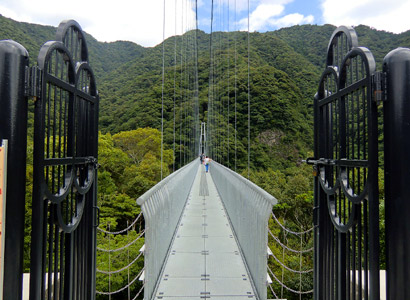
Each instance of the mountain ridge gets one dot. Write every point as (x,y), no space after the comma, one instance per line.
(129,79)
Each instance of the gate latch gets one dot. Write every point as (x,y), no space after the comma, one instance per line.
(33,82)
(316,162)
(379,87)
(92,160)
(320,161)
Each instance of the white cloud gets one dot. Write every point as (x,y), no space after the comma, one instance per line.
(139,21)
(261,17)
(268,15)
(389,15)
(242,5)
(293,19)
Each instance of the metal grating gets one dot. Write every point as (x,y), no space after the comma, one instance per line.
(204,260)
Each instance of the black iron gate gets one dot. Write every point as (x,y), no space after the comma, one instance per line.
(346,187)
(65,159)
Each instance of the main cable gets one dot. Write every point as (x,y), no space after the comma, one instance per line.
(175,74)
(249,100)
(236,58)
(162,98)
(228,52)
(210,87)
(181,91)
(196,79)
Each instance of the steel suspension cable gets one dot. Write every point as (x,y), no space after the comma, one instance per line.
(188,90)
(190,80)
(129,264)
(191,114)
(122,269)
(249,99)
(196,77)
(228,116)
(288,288)
(124,247)
(184,97)
(220,95)
(273,292)
(286,247)
(215,91)
(124,230)
(290,269)
(162,91)
(194,93)
(181,90)
(123,288)
(185,94)
(139,292)
(282,264)
(191,89)
(210,87)
(175,75)
(236,58)
(218,86)
(290,231)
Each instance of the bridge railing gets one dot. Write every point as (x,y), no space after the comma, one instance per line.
(249,208)
(162,207)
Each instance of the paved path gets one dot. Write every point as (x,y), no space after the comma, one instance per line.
(204,261)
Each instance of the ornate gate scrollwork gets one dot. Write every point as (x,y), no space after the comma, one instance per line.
(346,139)
(65,159)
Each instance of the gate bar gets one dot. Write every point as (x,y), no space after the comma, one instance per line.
(13,127)
(397,172)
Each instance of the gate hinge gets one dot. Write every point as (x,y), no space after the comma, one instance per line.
(92,160)
(379,87)
(316,215)
(33,82)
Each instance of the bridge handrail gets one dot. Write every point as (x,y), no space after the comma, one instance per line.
(162,207)
(249,208)
(148,194)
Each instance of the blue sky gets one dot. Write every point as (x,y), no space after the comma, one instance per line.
(264,15)
(141,21)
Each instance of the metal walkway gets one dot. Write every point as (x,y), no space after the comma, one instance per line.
(204,260)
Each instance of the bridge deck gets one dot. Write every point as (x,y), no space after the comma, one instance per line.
(204,261)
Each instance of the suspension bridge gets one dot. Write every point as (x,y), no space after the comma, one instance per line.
(204,235)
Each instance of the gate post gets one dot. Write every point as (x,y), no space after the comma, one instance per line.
(396,64)
(13,127)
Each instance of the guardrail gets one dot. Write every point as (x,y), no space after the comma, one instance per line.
(249,208)
(162,207)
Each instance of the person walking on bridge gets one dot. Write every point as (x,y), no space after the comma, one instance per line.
(206,162)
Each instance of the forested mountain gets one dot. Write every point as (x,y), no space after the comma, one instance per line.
(129,76)
(104,57)
(312,41)
(285,67)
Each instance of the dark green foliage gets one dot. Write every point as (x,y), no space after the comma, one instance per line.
(130,164)
(116,261)
(104,57)
(310,41)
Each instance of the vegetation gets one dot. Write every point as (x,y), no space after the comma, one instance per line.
(285,67)
(130,164)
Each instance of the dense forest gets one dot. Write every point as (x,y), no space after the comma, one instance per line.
(285,68)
